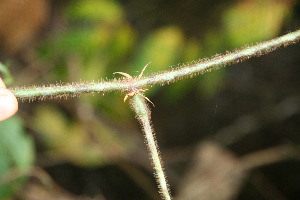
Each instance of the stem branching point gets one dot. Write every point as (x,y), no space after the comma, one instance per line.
(135,90)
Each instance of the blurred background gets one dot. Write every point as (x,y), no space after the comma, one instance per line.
(229,134)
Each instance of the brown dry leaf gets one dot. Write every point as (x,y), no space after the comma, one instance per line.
(217,174)
(20,21)
(214,175)
(35,190)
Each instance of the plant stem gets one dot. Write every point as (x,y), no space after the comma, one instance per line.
(143,114)
(188,70)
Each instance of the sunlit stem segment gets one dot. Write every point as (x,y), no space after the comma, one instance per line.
(143,114)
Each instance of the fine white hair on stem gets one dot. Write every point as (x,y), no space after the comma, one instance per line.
(161,78)
(143,114)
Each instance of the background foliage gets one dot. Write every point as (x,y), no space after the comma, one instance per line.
(91,145)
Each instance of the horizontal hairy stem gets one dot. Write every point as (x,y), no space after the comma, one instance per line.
(188,70)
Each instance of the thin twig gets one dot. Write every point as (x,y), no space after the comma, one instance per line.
(188,70)
(142,112)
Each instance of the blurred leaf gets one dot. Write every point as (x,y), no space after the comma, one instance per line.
(192,51)
(250,21)
(89,144)
(104,10)
(16,154)
(80,41)
(122,42)
(7,77)
(52,124)
(91,47)
(162,48)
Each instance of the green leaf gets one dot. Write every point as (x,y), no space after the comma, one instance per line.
(55,129)
(16,154)
(95,10)
(162,48)
(254,20)
(7,77)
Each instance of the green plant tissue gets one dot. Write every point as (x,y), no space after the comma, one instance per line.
(16,156)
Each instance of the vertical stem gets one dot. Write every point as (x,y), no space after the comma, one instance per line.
(142,111)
